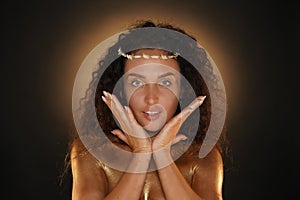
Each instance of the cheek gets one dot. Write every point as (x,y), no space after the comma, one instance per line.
(128,95)
(134,101)
(173,106)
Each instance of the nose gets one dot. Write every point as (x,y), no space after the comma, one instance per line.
(151,94)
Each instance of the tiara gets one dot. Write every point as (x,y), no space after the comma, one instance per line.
(146,56)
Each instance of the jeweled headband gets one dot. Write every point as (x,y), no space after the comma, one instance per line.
(146,56)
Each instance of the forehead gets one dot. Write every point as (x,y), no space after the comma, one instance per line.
(171,64)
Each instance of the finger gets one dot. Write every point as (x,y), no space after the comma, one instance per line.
(130,115)
(176,122)
(112,101)
(179,138)
(116,108)
(115,102)
(141,133)
(107,99)
(120,135)
(171,128)
(187,111)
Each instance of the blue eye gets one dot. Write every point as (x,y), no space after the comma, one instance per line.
(165,83)
(136,83)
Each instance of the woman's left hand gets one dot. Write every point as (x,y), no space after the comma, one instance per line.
(168,135)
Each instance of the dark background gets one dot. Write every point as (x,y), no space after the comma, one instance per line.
(43,44)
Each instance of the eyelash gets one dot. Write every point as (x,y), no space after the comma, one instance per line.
(162,83)
(133,83)
(138,83)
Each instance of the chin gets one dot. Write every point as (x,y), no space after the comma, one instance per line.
(153,129)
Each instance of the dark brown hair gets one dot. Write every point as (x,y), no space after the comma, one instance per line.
(111,75)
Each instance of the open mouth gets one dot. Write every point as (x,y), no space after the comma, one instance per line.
(152,115)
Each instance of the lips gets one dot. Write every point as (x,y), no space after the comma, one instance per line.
(151,115)
(153,112)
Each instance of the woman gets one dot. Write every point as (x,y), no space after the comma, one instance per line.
(143,105)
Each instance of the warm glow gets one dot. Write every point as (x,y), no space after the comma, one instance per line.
(80,39)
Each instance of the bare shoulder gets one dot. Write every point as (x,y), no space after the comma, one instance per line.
(212,159)
(207,173)
(89,179)
(80,153)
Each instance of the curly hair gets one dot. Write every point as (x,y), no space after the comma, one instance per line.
(92,103)
(115,70)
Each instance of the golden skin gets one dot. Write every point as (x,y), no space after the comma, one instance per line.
(94,180)
(189,175)
(146,86)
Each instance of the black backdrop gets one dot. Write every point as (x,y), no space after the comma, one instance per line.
(44,42)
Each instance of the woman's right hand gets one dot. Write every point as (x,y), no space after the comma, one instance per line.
(131,132)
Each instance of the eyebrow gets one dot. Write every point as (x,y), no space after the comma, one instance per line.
(160,76)
(166,74)
(137,75)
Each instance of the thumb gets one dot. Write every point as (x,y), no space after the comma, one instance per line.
(120,135)
(178,138)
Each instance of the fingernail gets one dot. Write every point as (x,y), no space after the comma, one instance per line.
(201,98)
(126,108)
(103,98)
(184,138)
(113,133)
(107,94)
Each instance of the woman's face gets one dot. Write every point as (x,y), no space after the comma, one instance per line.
(152,88)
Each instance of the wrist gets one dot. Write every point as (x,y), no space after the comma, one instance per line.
(143,150)
(139,162)
(162,158)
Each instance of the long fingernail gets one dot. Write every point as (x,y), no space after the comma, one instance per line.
(126,108)
(201,98)
(184,138)
(104,99)
(107,94)
(113,133)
